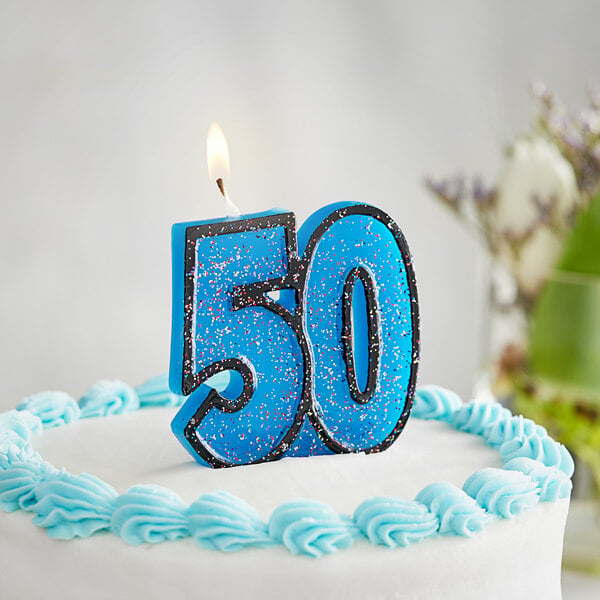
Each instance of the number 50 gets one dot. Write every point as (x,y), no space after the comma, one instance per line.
(329,366)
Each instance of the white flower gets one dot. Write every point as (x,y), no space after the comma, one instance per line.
(535,174)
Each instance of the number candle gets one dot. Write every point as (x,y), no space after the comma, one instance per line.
(329,367)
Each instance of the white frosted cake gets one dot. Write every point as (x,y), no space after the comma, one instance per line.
(469,502)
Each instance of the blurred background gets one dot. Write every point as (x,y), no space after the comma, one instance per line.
(104,110)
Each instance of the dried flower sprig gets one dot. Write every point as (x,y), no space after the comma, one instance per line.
(475,205)
(575,133)
(549,179)
(471,203)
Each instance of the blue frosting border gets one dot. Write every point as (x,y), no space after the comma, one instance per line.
(536,468)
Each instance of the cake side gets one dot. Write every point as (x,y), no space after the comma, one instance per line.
(517,559)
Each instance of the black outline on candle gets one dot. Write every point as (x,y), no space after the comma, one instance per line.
(361,274)
(256,294)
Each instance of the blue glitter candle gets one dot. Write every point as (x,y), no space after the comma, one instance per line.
(316,329)
(329,366)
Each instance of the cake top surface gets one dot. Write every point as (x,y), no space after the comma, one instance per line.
(117,449)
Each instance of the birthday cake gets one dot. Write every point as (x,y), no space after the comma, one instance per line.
(469,502)
(324,497)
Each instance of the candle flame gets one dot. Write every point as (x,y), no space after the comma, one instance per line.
(217,153)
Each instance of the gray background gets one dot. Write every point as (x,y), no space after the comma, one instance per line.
(104,109)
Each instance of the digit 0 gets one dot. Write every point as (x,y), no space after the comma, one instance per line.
(361,317)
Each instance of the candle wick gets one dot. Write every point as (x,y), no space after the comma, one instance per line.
(221,187)
(231,209)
